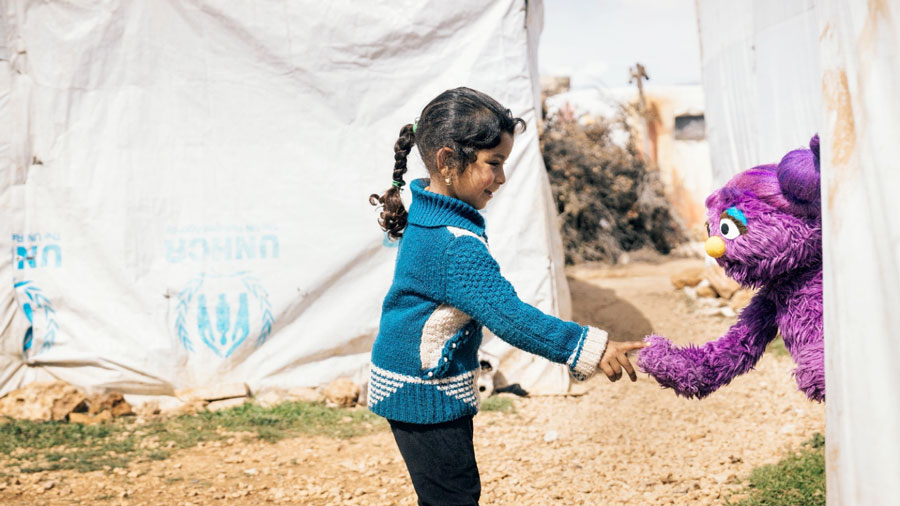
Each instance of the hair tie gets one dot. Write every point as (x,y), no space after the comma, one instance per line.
(415,125)
(398,184)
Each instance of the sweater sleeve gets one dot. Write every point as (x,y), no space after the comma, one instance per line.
(474,285)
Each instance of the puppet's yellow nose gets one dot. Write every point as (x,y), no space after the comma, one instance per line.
(715,246)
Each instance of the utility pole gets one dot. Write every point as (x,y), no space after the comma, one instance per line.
(648,132)
(639,73)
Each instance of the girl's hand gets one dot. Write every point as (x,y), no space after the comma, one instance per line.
(614,359)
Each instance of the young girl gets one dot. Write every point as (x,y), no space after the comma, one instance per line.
(446,286)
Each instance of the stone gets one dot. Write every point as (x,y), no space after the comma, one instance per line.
(42,401)
(690,292)
(187,408)
(725,477)
(741,299)
(704,289)
(213,392)
(226,403)
(688,277)
(270,398)
(148,409)
(305,394)
(727,312)
(275,396)
(787,428)
(720,282)
(551,436)
(342,392)
(113,402)
(89,419)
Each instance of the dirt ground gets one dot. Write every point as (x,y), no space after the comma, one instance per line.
(619,443)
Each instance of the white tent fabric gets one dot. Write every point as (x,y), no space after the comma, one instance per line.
(774,72)
(761,80)
(184,185)
(860,79)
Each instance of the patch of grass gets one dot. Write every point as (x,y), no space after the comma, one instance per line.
(270,424)
(798,480)
(776,347)
(498,403)
(49,446)
(40,435)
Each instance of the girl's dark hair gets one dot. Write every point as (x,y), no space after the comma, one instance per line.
(463,119)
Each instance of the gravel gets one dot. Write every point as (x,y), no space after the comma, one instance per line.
(618,444)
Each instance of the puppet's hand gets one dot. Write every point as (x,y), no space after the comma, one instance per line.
(681,369)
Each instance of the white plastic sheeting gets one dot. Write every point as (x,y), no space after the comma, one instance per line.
(761,80)
(774,72)
(184,184)
(860,46)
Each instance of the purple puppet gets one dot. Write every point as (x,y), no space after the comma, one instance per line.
(765,230)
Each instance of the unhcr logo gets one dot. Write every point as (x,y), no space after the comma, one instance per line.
(40,314)
(223,311)
(36,251)
(221,243)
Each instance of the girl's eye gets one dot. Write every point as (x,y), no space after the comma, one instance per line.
(729,228)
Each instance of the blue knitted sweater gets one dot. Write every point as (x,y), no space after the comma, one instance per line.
(446,287)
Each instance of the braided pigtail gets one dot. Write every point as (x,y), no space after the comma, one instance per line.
(393,213)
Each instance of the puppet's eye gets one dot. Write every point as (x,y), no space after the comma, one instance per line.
(729,228)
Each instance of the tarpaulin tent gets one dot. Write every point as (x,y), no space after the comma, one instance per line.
(184,185)
(774,73)
(760,74)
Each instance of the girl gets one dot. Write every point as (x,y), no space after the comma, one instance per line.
(446,286)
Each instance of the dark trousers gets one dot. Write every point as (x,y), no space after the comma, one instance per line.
(441,461)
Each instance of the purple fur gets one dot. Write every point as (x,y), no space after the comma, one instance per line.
(781,254)
(798,176)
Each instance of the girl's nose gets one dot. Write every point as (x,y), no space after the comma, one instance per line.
(500,176)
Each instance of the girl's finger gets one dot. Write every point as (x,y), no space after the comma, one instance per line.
(627,365)
(616,368)
(607,370)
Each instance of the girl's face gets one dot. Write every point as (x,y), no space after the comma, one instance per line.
(481,179)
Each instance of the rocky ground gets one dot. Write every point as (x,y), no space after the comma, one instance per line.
(618,443)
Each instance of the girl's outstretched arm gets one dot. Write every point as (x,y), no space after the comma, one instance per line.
(475,286)
(699,371)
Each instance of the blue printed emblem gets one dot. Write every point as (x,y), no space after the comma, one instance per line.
(222,311)
(36,305)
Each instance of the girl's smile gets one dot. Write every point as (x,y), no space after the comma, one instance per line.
(482,178)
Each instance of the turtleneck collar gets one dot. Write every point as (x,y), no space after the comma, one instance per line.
(429,209)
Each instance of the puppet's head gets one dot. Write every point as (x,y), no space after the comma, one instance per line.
(767,221)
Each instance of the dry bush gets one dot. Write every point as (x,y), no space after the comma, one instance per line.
(607,197)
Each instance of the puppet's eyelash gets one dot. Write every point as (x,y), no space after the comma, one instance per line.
(739,220)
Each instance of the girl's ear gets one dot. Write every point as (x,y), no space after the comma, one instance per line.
(443,158)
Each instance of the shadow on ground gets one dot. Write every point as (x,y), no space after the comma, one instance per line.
(600,307)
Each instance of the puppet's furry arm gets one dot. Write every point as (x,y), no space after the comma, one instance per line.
(698,371)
